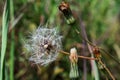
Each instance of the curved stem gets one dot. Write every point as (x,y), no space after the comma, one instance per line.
(90,43)
(113,78)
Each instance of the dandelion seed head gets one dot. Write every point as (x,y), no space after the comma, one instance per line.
(43,45)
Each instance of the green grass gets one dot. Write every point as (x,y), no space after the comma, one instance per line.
(12,47)
(8,9)
(4,39)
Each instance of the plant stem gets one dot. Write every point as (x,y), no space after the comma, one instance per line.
(12,48)
(84,36)
(83,57)
(99,60)
(12,57)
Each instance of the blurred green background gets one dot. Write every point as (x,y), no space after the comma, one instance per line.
(101,19)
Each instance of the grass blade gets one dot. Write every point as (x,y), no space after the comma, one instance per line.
(4,39)
(12,57)
(11,6)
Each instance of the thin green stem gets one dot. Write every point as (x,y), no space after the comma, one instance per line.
(12,57)
(12,41)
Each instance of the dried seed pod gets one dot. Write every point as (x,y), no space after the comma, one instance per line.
(96,52)
(65,9)
(44,45)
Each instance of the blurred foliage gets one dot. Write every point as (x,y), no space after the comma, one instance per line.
(102,22)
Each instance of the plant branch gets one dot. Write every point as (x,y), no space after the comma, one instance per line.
(113,78)
(85,38)
(83,57)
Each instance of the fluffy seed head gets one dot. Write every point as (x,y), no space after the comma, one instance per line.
(44,45)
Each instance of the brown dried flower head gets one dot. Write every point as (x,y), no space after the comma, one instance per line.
(65,9)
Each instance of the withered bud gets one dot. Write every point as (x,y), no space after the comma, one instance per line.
(96,52)
(74,73)
(65,9)
(73,55)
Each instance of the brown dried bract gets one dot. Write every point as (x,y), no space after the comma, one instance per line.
(63,6)
(96,52)
(65,9)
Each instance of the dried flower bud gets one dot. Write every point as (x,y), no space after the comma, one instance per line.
(74,73)
(96,52)
(44,45)
(65,9)
(73,55)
